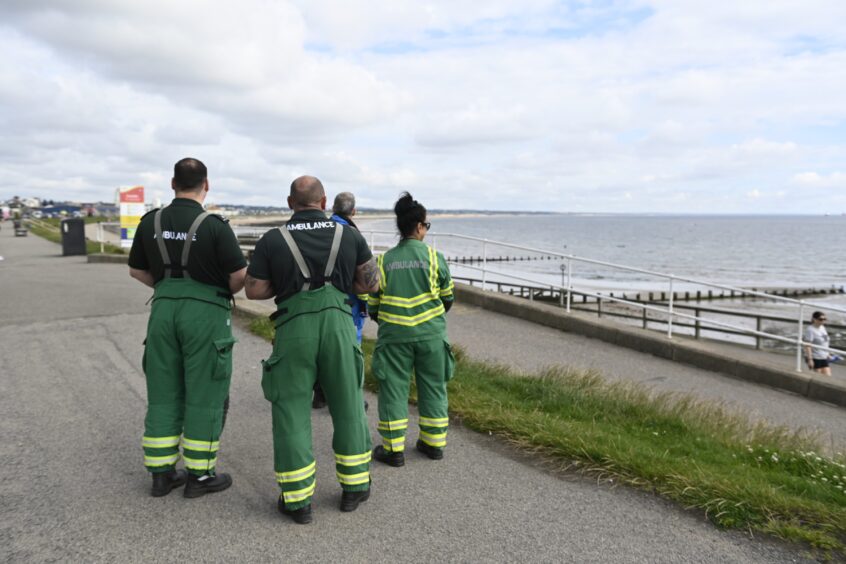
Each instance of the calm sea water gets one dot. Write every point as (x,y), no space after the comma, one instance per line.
(747,251)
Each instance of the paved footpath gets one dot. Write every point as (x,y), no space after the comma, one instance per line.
(73,487)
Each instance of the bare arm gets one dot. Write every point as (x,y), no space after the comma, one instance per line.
(258,289)
(143,276)
(366,279)
(236,280)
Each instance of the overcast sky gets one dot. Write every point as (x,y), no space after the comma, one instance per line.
(602,106)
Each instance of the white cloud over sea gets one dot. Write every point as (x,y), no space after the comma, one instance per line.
(612,105)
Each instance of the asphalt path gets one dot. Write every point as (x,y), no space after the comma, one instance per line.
(74,489)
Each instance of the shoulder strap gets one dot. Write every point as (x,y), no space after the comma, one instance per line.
(298,257)
(189,238)
(157,226)
(333,253)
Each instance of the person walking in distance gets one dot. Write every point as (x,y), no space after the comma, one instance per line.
(414,295)
(816,334)
(192,260)
(310,265)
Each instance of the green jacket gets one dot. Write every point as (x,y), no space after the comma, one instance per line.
(414,285)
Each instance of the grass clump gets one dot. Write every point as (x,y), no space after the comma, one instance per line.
(741,474)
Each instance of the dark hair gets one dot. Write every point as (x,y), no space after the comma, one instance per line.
(189,174)
(817,315)
(409,212)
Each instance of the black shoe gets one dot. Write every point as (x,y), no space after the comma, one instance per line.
(318,401)
(395,459)
(434,453)
(366,405)
(301,516)
(201,485)
(350,500)
(163,482)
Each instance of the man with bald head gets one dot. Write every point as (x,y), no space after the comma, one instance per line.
(309,265)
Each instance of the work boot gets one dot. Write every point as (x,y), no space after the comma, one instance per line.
(350,500)
(163,482)
(318,401)
(301,516)
(395,459)
(207,483)
(434,453)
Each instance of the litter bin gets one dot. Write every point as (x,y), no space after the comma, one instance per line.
(73,237)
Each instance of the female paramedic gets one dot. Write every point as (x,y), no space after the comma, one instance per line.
(414,295)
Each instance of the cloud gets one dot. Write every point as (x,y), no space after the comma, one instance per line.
(816,180)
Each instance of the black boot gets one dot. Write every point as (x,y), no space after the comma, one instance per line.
(395,459)
(434,453)
(163,482)
(350,500)
(201,485)
(318,400)
(301,516)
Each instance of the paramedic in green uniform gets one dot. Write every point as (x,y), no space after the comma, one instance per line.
(310,265)
(192,260)
(415,292)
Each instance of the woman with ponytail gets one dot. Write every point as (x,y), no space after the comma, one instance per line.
(415,293)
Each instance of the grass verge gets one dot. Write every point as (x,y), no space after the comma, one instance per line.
(49,229)
(741,474)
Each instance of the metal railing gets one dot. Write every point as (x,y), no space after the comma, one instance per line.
(566,291)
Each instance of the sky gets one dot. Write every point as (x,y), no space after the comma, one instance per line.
(580,106)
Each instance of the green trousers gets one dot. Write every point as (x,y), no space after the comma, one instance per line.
(432,363)
(316,342)
(188,365)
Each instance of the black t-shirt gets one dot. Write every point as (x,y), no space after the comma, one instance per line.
(313,233)
(214,254)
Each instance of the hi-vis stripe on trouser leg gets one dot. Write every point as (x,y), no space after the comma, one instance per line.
(199,456)
(393,434)
(354,469)
(433,430)
(297,484)
(160,451)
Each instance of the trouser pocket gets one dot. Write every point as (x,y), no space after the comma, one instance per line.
(449,362)
(267,369)
(223,363)
(376,363)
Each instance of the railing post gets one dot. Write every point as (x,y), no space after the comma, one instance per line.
(100,235)
(697,326)
(643,311)
(569,283)
(484,262)
(598,306)
(758,329)
(670,311)
(799,337)
(372,239)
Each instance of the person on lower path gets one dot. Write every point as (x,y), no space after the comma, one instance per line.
(343,210)
(310,265)
(818,359)
(415,293)
(194,263)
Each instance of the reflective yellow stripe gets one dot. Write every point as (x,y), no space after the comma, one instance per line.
(380,260)
(298,474)
(160,442)
(448,290)
(408,302)
(433,271)
(362,297)
(389,442)
(353,479)
(371,301)
(397,425)
(413,320)
(434,440)
(352,460)
(199,463)
(201,446)
(161,460)
(299,495)
(434,421)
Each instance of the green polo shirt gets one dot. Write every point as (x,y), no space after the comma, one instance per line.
(313,233)
(214,254)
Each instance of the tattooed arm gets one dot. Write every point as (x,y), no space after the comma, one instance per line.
(257,289)
(366,278)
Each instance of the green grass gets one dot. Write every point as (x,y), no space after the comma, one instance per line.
(741,474)
(49,229)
